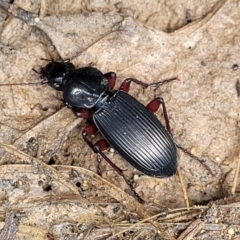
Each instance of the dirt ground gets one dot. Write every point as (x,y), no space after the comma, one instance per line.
(49,186)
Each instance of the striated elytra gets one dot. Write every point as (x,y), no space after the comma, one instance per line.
(127,125)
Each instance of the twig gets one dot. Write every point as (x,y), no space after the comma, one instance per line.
(136,225)
(185,196)
(139,208)
(236,176)
(10,228)
(25,16)
(43,9)
(192,230)
(222,180)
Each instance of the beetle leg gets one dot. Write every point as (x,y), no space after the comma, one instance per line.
(153,107)
(111,77)
(98,148)
(158,84)
(125,86)
(99,160)
(81,112)
(88,131)
(103,145)
(119,171)
(201,161)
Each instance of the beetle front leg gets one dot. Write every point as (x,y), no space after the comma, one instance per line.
(153,107)
(79,112)
(125,86)
(98,148)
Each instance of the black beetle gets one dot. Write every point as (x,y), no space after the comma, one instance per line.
(128,126)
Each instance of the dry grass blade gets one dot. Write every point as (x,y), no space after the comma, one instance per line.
(43,9)
(183,188)
(39,164)
(136,225)
(236,175)
(10,228)
(191,230)
(130,202)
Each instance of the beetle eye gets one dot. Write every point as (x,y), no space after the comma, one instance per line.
(68,69)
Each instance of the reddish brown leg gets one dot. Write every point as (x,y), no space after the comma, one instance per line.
(81,112)
(103,145)
(125,86)
(153,107)
(111,77)
(98,148)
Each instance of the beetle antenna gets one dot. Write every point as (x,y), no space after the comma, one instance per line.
(45,59)
(20,84)
(25,84)
(36,71)
(59,99)
(203,162)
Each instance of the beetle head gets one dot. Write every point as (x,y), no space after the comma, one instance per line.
(55,74)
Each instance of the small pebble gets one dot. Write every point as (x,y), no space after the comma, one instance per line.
(135,177)
(197,188)
(204,179)
(111,150)
(193,150)
(84,185)
(235,67)
(231,231)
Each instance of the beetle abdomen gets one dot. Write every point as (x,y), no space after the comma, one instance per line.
(137,135)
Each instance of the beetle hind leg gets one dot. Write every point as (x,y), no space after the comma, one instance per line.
(201,161)
(98,148)
(119,171)
(153,107)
